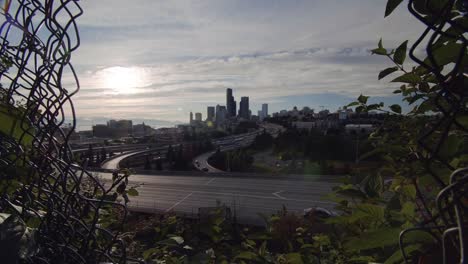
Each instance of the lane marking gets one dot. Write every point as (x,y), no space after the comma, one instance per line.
(210,181)
(176,204)
(279,196)
(233,195)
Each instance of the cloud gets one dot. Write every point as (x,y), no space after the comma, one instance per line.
(272,51)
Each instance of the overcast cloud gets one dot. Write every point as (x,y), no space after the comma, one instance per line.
(186,53)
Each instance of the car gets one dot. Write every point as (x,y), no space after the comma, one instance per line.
(319,212)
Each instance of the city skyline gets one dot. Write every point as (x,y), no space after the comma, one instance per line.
(306,53)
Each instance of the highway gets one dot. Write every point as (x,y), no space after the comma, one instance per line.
(113,163)
(247,197)
(234,142)
(201,162)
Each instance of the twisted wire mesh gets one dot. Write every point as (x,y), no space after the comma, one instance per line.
(448,223)
(38,80)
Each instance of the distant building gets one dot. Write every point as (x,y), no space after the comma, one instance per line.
(142,130)
(265,110)
(323,113)
(359,128)
(244,107)
(221,114)
(191,118)
(102,131)
(230,103)
(198,117)
(210,113)
(117,128)
(304,125)
(262,114)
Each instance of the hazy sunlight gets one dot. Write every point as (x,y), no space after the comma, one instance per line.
(123,80)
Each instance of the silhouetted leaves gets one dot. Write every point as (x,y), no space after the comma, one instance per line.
(391,5)
(387,71)
(400,53)
(408,78)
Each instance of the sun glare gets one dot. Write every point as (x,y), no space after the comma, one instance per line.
(123,80)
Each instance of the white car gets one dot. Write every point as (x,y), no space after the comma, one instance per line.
(319,211)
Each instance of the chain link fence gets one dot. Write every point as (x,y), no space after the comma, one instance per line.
(58,203)
(448,223)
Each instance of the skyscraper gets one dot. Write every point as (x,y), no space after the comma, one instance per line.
(265,110)
(191,118)
(210,113)
(230,103)
(198,117)
(221,114)
(262,114)
(244,107)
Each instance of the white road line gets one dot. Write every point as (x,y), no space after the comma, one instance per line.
(176,204)
(279,196)
(238,195)
(210,181)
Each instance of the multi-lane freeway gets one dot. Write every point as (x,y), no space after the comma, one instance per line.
(247,197)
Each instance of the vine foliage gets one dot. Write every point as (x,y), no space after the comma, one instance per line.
(420,194)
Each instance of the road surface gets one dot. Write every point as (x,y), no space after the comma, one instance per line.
(113,163)
(234,142)
(201,162)
(247,197)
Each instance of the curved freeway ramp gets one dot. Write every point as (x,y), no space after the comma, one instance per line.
(113,163)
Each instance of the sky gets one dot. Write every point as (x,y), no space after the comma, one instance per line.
(154,59)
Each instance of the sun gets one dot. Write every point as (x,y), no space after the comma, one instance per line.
(123,80)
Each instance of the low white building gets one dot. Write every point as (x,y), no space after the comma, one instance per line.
(359,128)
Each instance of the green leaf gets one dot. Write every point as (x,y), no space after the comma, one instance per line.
(396,108)
(362,259)
(178,239)
(376,239)
(147,254)
(408,78)
(246,255)
(408,209)
(13,124)
(168,242)
(400,53)
(379,51)
(352,193)
(397,257)
(409,191)
(34,222)
(387,71)
(391,5)
(375,212)
(463,120)
(132,192)
(446,54)
(363,99)
(294,258)
(360,109)
(353,104)
(451,146)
